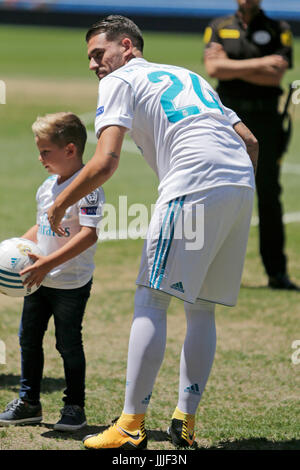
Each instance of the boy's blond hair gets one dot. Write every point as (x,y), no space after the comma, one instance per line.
(61,129)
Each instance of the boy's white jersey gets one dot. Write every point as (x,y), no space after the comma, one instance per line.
(179,124)
(87,212)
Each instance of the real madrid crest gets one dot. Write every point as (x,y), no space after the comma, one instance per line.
(92,198)
(261,37)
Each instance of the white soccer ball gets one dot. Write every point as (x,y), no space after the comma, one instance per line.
(13,258)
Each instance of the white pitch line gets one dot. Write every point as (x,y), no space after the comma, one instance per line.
(291,168)
(130,147)
(91,138)
(88,117)
(288,218)
(118,235)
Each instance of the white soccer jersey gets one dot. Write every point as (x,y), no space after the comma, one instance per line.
(179,124)
(86,212)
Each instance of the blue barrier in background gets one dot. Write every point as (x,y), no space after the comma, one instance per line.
(289,9)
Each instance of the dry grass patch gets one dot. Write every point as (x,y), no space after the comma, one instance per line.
(30,90)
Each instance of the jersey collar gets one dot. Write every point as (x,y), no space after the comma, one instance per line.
(136,60)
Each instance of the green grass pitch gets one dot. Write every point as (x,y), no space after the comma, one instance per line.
(252,397)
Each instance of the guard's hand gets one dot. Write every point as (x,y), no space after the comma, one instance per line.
(37,271)
(275,62)
(55,215)
(215,51)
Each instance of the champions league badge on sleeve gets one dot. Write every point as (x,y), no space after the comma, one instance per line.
(92,210)
(99,111)
(92,198)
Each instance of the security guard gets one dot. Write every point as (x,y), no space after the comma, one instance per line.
(249,53)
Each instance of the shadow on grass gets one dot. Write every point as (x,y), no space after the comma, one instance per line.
(256,444)
(49,384)
(75,435)
(269,291)
(162,436)
(157,436)
(241,444)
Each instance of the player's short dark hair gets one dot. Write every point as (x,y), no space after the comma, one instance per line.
(61,129)
(116,27)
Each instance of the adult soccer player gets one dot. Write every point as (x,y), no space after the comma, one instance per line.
(200,152)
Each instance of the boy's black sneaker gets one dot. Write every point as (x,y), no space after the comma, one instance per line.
(21,412)
(182,433)
(72,418)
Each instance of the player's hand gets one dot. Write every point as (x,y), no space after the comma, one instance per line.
(37,271)
(55,215)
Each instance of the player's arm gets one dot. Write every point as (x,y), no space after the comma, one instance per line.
(31,233)
(250,140)
(267,70)
(85,238)
(95,173)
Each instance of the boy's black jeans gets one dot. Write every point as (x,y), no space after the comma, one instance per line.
(67,307)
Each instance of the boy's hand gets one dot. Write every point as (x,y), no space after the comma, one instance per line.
(37,271)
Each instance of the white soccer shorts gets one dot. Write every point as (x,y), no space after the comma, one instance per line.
(196,245)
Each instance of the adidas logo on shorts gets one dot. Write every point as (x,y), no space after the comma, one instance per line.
(178,286)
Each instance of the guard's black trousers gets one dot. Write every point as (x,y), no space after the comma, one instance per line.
(266,126)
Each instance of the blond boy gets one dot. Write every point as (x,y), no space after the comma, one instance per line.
(64,275)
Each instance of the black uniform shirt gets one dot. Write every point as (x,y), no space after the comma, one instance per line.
(263,36)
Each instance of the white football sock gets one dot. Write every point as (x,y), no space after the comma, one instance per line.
(197,354)
(146,347)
